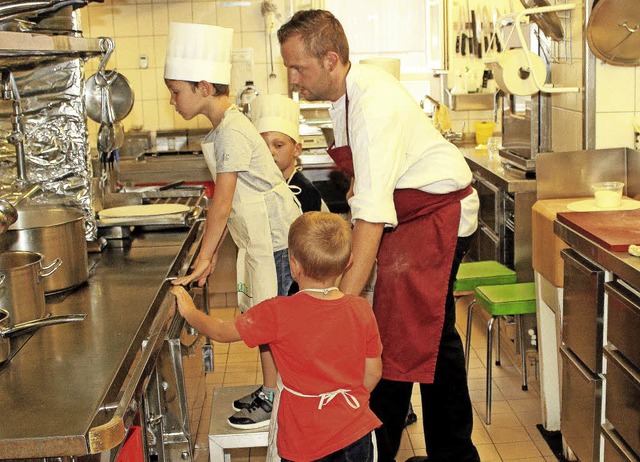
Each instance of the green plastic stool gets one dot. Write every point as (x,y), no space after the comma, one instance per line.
(504,300)
(479,273)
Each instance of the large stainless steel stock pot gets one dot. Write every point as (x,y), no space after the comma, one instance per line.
(57,233)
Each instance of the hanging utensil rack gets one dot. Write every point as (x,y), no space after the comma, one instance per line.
(519,18)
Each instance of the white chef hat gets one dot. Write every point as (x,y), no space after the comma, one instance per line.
(198,52)
(276,113)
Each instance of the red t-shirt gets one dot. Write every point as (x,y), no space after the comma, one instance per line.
(319,346)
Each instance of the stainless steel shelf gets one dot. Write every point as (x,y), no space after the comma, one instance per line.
(25,49)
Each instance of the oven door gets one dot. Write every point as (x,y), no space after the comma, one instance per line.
(489,213)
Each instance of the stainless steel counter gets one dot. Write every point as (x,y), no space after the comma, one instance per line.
(505,178)
(164,169)
(622,264)
(52,390)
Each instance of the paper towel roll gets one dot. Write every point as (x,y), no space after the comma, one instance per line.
(391,65)
(510,72)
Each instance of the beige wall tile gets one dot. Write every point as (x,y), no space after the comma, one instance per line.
(160,50)
(146,47)
(255,40)
(205,13)
(161,88)
(127,53)
(125,21)
(160,18)
(229,16)
(180,12)
(165,115)
(614,130)
(135,119)
(278,85)
(145,19)
(251,18)
(101,21)
(614,94)
(135,80)
(148,85)
(566,132)
(150,115)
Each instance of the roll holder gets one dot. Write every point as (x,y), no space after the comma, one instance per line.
(525,48)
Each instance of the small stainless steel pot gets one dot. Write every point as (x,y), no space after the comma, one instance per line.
(55,232)
(22,290)
(7,331)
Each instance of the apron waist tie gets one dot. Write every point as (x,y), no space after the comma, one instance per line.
(326,398)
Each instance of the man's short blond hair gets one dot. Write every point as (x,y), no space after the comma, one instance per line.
(321,243)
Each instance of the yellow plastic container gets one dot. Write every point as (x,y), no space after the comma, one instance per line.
(484,130)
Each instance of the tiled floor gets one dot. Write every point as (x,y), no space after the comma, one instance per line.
(512,434)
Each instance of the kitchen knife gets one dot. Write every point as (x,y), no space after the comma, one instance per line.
(495,29)
(487,32)
(468,26)
(463,35)
(477,46)
(459,32)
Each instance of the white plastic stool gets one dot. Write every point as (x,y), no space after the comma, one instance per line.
(222,435)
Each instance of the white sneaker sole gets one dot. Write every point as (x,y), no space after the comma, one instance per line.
(253,426)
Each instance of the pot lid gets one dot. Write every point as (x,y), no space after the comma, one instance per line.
(549,22)
(613,32)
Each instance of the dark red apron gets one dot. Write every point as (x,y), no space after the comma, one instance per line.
(342,156)
(414,265)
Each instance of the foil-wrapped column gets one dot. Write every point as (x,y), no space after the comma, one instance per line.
(55,136)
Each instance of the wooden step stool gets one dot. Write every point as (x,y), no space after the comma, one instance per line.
(222,435)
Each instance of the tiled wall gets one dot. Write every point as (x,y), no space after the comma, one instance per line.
(139,28)
(617,101)
(567,108)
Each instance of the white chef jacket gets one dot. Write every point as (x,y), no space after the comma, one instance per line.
(396,146)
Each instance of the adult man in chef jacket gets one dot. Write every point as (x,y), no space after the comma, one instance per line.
(414,210)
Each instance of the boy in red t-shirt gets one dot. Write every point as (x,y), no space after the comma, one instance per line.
(325,343)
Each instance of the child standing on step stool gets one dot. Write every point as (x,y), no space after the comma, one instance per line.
(325,343)
(251,199)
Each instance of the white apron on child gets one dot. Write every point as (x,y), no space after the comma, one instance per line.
(256,268)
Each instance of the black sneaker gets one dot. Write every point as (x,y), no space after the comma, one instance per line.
(257,415)
(245,401)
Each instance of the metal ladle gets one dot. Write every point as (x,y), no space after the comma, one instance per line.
(8,215)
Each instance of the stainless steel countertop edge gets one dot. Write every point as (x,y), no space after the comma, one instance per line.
(622,264)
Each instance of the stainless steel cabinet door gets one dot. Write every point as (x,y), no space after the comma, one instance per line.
(583,308)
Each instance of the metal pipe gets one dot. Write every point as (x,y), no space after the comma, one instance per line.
(589,85)
(16,137)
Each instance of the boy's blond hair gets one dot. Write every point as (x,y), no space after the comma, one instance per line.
(321,243)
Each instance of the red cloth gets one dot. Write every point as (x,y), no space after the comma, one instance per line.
(342,157)
(319,346)
(414,265)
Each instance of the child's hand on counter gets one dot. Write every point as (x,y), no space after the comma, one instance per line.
(183,299)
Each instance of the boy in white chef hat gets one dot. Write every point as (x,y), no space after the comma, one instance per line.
(250,199)
(277,118)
